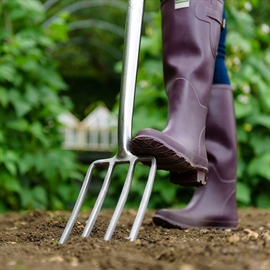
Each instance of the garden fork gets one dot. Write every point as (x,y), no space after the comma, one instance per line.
(123,156)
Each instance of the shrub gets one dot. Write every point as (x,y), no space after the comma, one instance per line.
(35,171)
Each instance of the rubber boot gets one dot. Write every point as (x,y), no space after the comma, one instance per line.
(190,38)
(213,205)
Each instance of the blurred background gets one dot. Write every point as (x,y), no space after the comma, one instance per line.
(60,72)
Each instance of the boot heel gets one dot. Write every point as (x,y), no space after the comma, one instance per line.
(201,178)
(195,178)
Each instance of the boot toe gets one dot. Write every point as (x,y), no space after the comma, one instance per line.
(187,218)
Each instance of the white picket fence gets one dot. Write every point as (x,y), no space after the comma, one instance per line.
(97,132)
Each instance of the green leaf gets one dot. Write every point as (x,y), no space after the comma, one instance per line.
(25,44)
(7,72)
(236,39)
(33,9)
(40,195)
(26,198)
(242,135)
(264,96)
(45,41)
(259,143)
(52,78)
(40,162)
(11,167)
(36,129)
(26,163)
(241,166)
(243,193)
(3,96)
(11,155)
(168,193)
(3,208)
(18,124)
(58,30)
(2,137)
(9,158)
(11,183)
(260,66)
(260,119)
(243,110)
(21,106)
(56,203)
(32,6)
(18,13)
(263,201)
(30,65)
(64,191)
(260,165)
(163,173)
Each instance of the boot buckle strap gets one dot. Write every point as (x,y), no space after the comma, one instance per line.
(214,15)
(205,12)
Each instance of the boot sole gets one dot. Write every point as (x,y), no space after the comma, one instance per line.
(169,159)
(203,224)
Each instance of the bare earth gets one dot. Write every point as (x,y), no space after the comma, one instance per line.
(29,241)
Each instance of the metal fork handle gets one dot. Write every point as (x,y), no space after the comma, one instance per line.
(129,74)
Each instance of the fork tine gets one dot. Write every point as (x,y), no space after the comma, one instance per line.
(121,201)
(78,205)
(144,201)
(102,194)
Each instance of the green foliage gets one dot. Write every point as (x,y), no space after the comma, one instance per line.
(35,172)
(248,62)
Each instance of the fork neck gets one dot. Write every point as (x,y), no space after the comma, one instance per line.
(129,74)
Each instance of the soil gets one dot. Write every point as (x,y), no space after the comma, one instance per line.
(30,241)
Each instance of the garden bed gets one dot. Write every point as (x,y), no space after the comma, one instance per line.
(29,241)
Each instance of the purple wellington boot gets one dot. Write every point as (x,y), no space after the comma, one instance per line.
(212,205)
(190,38)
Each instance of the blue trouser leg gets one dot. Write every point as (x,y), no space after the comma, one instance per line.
(220,73)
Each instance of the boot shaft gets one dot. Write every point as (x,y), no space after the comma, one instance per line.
(213,205)
(190,39)
(220,139)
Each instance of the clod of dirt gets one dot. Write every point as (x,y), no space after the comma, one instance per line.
(266,237)
(251,234)
(234,238)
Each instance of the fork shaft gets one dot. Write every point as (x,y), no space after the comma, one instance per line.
(129,74)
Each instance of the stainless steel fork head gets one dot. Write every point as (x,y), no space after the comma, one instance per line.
(112,163)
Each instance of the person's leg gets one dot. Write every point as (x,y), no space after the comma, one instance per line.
(213,205)
(190,39)
(220,72)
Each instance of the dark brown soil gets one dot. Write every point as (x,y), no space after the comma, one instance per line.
(29,241)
